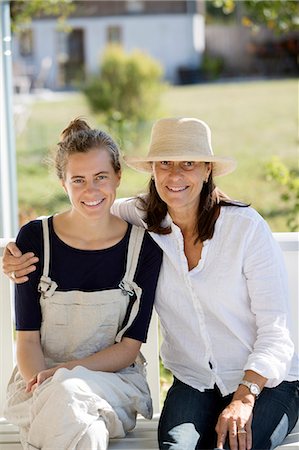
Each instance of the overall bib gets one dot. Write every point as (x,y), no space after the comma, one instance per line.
(76,324)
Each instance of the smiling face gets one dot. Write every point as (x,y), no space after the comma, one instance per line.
(179,184)
(91,182)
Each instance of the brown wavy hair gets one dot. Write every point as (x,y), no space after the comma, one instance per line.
(210,202)
(79,137)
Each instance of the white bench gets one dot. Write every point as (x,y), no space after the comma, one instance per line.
(145,434)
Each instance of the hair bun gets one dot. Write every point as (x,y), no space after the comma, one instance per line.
(74,126)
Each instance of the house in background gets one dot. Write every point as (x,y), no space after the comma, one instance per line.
(181,35)
(172,32)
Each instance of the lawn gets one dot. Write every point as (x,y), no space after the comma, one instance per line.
(251,121)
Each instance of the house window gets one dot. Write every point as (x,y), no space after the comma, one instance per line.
(135,6)
(114,34)
(26,43)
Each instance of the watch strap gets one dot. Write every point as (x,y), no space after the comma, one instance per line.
(253,387)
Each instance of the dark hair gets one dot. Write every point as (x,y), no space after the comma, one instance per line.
(210,202)
(78,137)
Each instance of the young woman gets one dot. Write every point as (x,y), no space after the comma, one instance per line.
(221,297)
(82,316)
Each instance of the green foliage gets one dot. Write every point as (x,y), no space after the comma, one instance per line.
(212,66)
(227,6)
(166,380)
(289,181)
(22,11)
(127,90)
(280,15)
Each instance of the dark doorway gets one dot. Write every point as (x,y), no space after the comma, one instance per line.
(71,58)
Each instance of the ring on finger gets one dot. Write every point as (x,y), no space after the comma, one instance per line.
(241,431)
(233,429)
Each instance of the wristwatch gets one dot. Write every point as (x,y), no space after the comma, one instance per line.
(253,388)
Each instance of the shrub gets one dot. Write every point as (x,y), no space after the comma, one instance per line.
(289,181)
(212,66)
(126,91)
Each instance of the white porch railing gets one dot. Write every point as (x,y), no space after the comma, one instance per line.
(145,435)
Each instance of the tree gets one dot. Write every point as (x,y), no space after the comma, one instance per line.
(22,11)
(280,15)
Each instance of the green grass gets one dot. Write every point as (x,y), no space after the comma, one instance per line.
(250,121)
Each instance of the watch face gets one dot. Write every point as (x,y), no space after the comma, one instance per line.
(254,389)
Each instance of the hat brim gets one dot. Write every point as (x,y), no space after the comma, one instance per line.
(221,165)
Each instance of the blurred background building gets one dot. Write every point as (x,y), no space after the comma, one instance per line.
(193,40)
(172,32)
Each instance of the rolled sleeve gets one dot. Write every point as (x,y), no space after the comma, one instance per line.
(268,291)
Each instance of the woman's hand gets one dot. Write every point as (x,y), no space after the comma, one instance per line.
(17,266)
(39,378)
(234,423)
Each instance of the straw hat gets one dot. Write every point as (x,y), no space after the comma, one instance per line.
(181,139)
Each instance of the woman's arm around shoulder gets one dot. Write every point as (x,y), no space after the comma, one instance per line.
(129,209)
(19,258)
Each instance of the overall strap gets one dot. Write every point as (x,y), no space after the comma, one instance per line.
(135,243)
(127,285)
(46,285)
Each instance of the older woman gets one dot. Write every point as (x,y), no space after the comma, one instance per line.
(221,298)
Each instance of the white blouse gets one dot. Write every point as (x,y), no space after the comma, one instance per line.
(229,313)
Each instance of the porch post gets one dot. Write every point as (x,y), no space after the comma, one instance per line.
(8,177)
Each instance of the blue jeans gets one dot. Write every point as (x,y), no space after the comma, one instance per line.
(189,417)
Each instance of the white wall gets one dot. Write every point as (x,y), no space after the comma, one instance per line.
(45,45)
